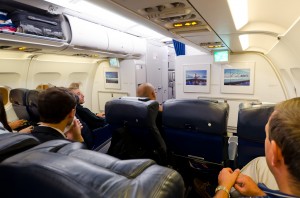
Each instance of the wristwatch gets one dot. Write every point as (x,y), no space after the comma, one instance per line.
(222,188)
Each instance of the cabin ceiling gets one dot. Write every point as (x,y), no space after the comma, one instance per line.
(267,21)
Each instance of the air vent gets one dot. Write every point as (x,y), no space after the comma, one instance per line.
(178,5)
(161,8)
(166,11)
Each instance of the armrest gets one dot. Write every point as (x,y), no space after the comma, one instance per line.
(232,151)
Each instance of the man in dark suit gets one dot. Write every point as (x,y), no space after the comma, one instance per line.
(92,120)
(57,108)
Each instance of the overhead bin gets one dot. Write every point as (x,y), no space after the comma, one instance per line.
(24,28)
(89,38)
(30,43)
(87,35)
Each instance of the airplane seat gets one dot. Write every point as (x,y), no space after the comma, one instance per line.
(13,143)
(32,105)
(18,99)
(196,131)
(4,92)
(252,119)
(102,136)
(134,131)
(84,173)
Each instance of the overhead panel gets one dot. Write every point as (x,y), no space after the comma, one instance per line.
(177,16)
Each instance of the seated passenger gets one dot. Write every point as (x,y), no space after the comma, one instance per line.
(258,170)
(92,120)
(57,108)
(282,146)
(5,126)
(147,90)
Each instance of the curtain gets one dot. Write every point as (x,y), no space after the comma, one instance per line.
(179,48)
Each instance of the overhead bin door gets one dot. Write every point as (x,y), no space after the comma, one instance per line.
(88,35)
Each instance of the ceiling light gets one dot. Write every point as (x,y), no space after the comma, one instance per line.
(244,40)
(239,12)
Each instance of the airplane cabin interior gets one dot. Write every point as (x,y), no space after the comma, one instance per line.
(218,69)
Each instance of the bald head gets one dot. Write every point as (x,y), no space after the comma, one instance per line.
(146,90)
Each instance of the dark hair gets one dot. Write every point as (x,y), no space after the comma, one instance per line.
(284,129)
(3,117)
(55,103)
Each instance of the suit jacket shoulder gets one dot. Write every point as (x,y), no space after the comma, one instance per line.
(44,134)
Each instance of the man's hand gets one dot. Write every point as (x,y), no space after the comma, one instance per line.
(246,186)
(74,133)
(16,124)
(227,177)
(101,115)
(26,130)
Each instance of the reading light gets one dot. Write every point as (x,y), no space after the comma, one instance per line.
(22,48)
(178,25)
(187,23)
(239,12)
(244,40)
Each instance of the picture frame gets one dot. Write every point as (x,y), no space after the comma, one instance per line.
(112,78)
(238,78)
(196,78)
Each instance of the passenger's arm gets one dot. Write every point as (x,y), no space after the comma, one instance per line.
(246,186)
(90,118)
(26,130)
(101,115)
(16,124)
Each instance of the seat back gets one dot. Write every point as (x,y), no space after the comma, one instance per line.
(18,99)
(251,131)
(196,128)
(13,143)
(134,131)
(32,105)
(59,169)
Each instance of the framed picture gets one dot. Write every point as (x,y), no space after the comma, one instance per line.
(238,78)
(112,78)
(196,78)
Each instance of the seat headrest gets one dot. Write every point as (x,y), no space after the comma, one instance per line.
(249,104)
(32,97)
(13,143)
(32,105)
(128,168)
(133,113)
(199,115)
(144,99)
(55,174)
(18,96)
(52,174)
(51,146)
(252,121)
